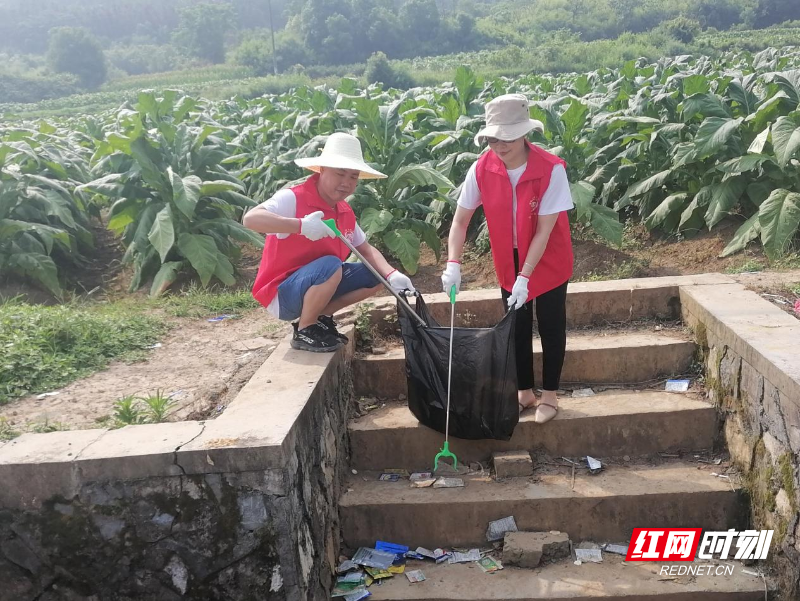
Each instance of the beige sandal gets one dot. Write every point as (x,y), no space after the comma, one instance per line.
(545,420)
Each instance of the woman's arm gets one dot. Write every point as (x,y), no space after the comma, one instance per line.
(458,233)
(544,227)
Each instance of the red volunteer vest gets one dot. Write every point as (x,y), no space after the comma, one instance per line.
(555,266)
(282,257)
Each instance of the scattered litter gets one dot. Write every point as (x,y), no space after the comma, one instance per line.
(422,479)
(720,475)
(616,549)
(498,528)
(582,392)
(354,472)
(47,394)
(471,555)
(448,483)
(389,477)
(156,345)
(414,555)
(415,576)
(400,472)
(373,558)
(176,394)
(346,566)
(797,307)
(398,550)
(777,298)
(578,562)
(594,465)
(435,554)
(658,328)
(379,574)
(347,587)
(677,385)
(590,555)
(750,572)
(351,577)
(219,318)
(490,565)
(357,596)
(399,569)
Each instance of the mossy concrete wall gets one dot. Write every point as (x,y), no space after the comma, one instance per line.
(751,352)
(244,507)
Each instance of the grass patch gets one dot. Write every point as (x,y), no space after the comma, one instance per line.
(132,409)
(794,288)
(199,302)
(48,347)
(622,271)
(749,265)
(6,431)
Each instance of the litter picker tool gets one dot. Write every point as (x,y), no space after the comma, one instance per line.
(331,223)
(445,451)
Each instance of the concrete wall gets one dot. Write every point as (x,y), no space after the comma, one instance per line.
(242,507)
(752,359)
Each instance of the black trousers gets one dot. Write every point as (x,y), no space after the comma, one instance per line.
(551,317)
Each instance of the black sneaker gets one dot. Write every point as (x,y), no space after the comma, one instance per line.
(326,321)
(315,339)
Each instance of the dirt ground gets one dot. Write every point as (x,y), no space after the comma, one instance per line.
(203,365)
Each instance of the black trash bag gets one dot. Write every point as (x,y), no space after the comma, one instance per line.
(483,398)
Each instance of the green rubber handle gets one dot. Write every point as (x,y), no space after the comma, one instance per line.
(331,223)
(453,294)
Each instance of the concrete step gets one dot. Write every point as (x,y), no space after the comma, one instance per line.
(604,507)
(614,579)
(591,358)
(608,424)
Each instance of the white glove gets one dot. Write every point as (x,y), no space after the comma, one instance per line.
(451,277)
(519,293)
(400,281)
(311,227)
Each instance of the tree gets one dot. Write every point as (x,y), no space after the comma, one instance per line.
(420,22)
(75,50)
(202,28)
(384,33)
(313,23)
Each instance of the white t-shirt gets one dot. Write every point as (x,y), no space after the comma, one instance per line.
(555,199)
(284,203)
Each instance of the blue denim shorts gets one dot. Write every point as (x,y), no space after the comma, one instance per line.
(292,290)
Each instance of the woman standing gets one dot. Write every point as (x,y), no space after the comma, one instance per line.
(525,197)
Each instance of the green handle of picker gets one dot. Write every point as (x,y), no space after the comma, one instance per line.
(445,452)
(331,223)
(453,294)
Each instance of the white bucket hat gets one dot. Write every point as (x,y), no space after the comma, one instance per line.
(341,151)
(508,118)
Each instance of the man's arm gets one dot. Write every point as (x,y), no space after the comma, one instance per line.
(266,222)
(375,258)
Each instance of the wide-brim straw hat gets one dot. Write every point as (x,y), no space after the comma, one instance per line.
(508,118)
(341,151)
